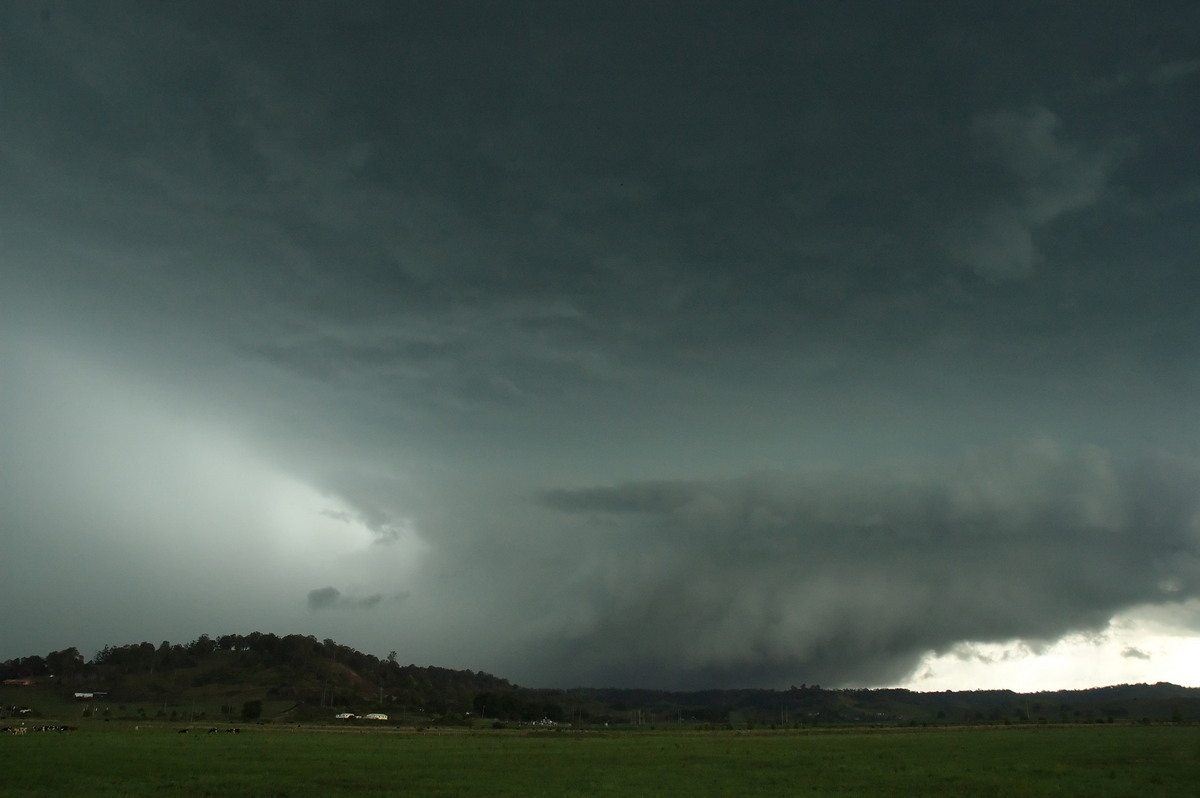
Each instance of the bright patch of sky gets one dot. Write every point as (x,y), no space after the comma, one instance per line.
(1135,646)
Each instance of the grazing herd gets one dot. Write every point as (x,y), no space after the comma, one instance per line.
(55,728)
(45,728)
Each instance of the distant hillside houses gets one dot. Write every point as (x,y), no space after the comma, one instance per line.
(352,716)
(546,722)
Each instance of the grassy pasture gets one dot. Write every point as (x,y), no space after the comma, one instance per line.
(116,760)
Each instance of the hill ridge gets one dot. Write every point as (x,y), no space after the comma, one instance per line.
(317,679)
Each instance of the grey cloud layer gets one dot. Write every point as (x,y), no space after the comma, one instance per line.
(565,216)
(426,259)
(851,577)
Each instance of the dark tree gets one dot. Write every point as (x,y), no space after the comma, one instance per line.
(252,710)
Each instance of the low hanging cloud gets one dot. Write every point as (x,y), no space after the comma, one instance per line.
(850,578)
(330,598)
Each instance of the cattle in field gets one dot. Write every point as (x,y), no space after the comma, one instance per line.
(40,728)
(212,730)
(184,731)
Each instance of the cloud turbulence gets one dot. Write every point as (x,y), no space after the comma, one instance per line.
(603,343)
(857,574)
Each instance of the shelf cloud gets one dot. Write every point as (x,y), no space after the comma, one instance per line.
(603,343)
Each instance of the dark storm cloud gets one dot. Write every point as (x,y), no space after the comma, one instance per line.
(851,577)
(401,218)
(411,262)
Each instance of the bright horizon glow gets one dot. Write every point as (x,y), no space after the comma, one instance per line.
(1141,645)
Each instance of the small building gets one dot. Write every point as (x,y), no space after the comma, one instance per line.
(345,716)
(375,716)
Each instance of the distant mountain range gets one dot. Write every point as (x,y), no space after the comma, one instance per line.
(298,678)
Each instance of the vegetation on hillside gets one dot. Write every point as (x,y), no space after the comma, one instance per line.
(298,677)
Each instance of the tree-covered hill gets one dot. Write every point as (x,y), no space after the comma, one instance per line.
(295,668)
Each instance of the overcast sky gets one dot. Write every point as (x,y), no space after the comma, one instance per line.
(659,344)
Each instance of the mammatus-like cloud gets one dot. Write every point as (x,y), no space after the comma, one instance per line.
(850,578)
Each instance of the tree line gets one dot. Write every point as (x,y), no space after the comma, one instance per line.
(299,667)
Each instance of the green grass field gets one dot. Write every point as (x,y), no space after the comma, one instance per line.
(115,760)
